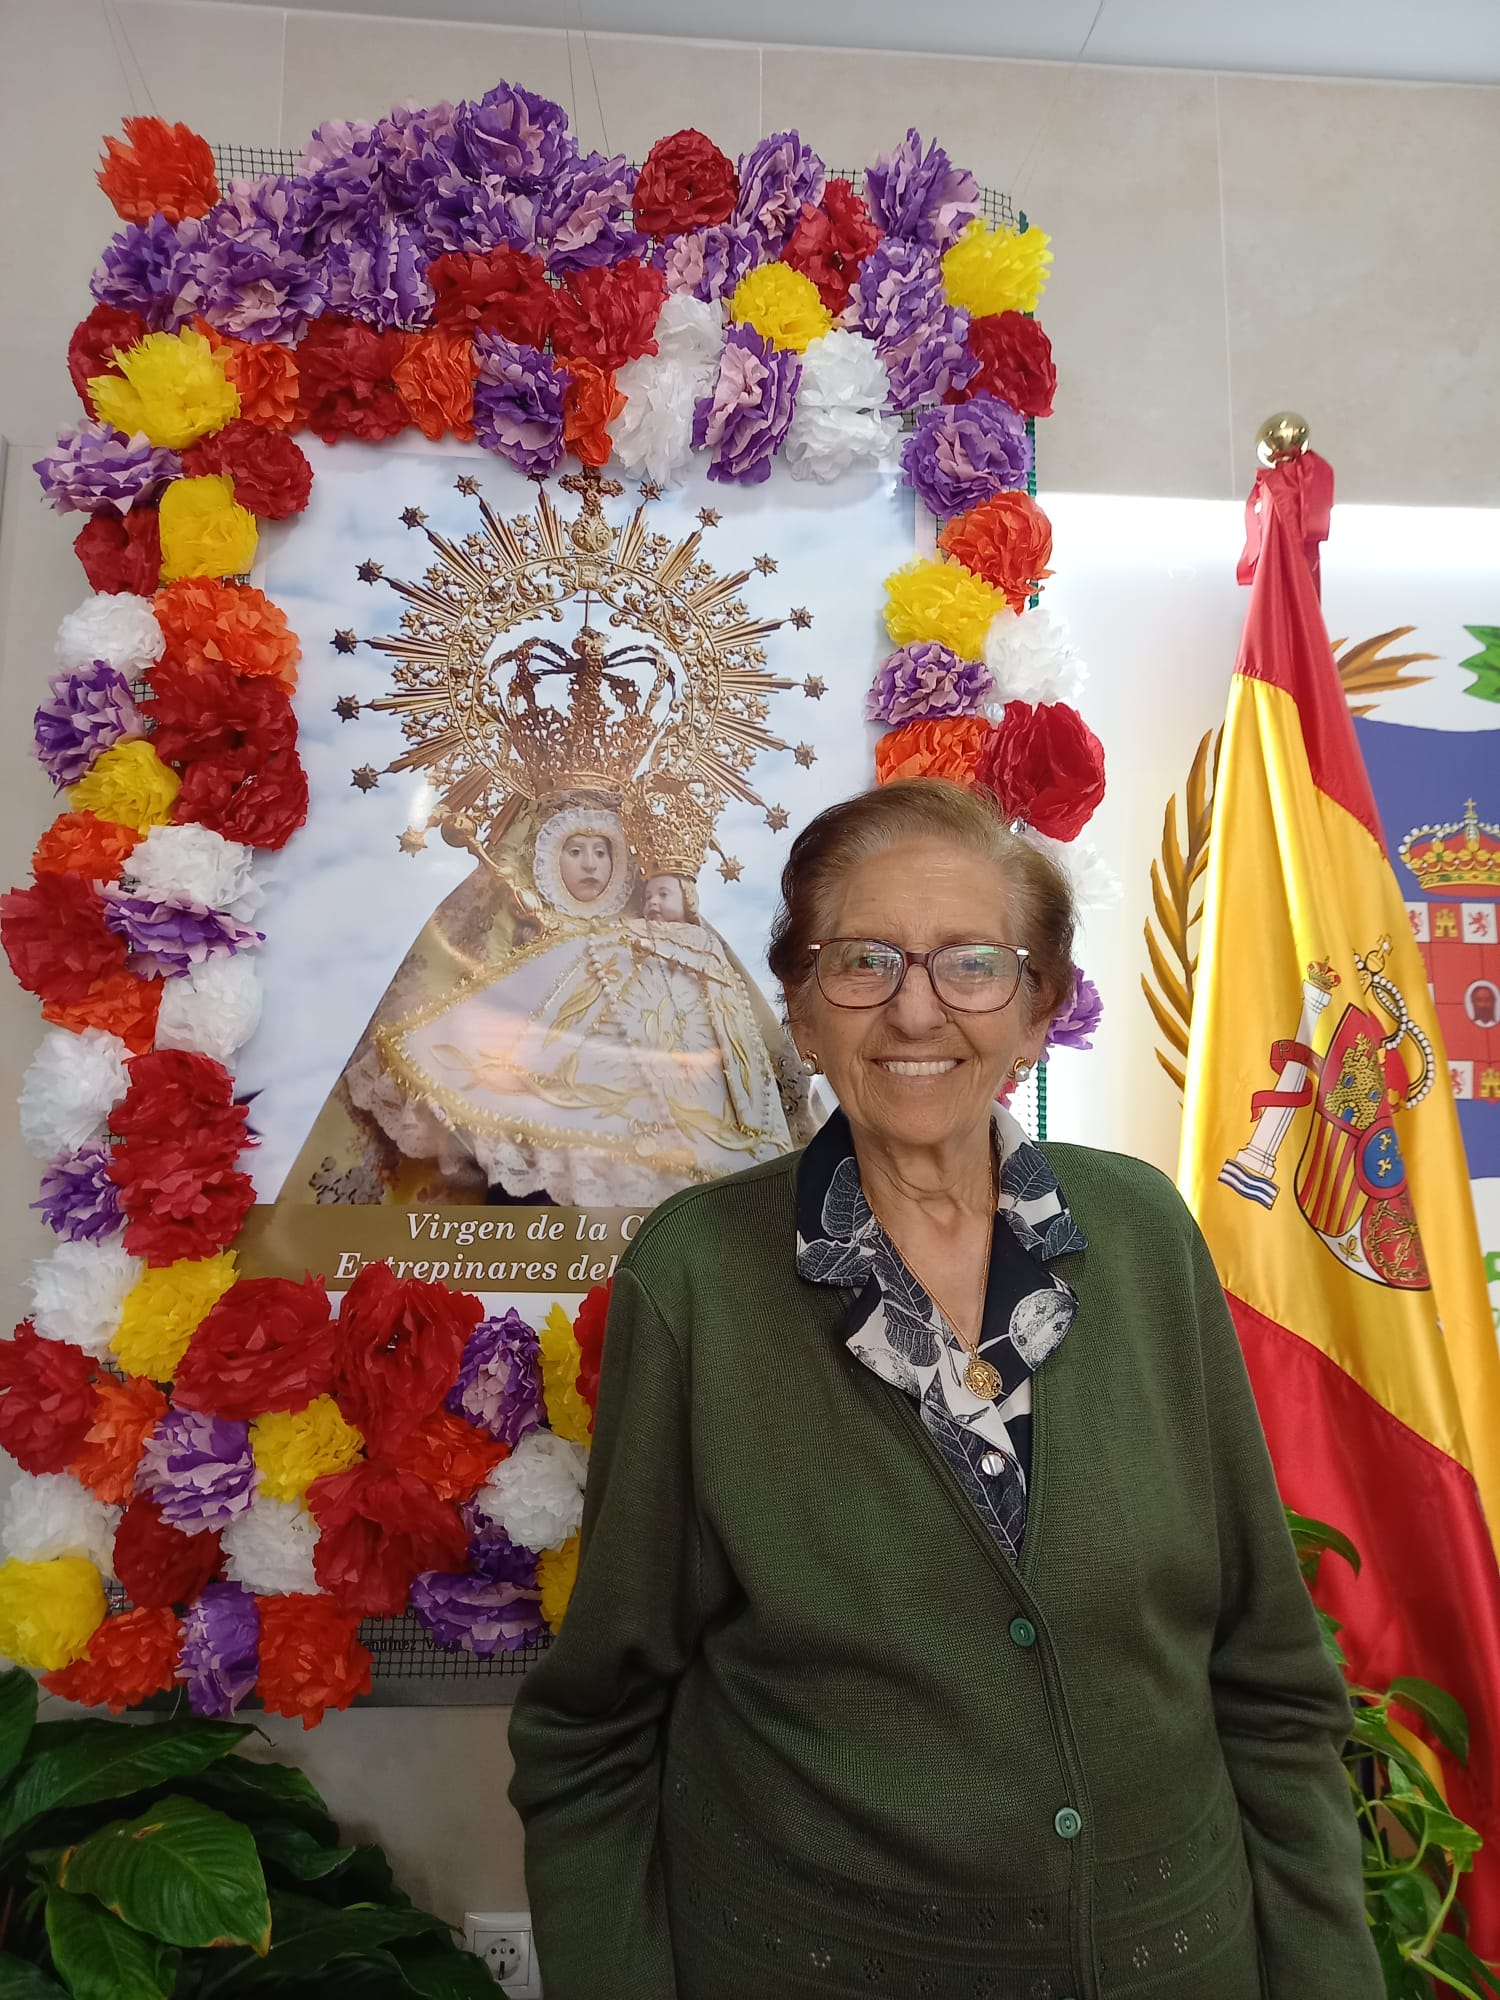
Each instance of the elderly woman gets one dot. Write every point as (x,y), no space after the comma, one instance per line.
(937,1633)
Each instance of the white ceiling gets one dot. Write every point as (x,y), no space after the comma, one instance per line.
(1455,41)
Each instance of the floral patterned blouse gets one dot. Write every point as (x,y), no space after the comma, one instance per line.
(897,1329)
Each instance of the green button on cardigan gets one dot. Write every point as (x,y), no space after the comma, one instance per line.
(789,1744)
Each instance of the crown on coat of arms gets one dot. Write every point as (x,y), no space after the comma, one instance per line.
(1465,854)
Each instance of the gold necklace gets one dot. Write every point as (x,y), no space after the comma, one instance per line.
(981,1378)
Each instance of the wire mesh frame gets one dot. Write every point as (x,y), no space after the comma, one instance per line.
(408,1667)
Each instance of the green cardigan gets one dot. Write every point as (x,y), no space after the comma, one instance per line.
(808,1733)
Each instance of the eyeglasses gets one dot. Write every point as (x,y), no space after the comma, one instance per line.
(867,972)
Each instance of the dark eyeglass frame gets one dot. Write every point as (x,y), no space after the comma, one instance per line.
(924,959)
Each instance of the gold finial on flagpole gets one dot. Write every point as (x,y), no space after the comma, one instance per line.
(1282,437)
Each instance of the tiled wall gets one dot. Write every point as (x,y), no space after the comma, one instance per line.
(1226,246)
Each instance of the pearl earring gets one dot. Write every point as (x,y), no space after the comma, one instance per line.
(1020,1069)
(811,1064)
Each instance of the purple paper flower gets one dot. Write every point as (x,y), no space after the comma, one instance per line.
(220,1657)
(514,132)
(493,1554)
(746,415)
(95,470)
(79,1201)
(776,178)
(899,292)
(499,1384)
(338,186)
(1074,1024)
(142,270)
(378,276)
(416,146)
(585,217)
(459,214)
(921,196)
(708,262)
(480,1615)
(926,365)
(198,1469)
(518,404)
(965,452)
(176,937)
(88,709)
(247,275)
(926,679)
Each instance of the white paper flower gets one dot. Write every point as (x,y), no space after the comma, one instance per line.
(1095,883)
(536,1495)
(212,1010)
(689,331)
(1031,658)
(48,1514)
(71,1085)
(112,626)
(193,864)
(653,435)
(270,1549)
(79,1290)
(840,418)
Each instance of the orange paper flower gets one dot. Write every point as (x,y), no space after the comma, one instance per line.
(311,1658)
(948,747)
(265,375)
(121,1004)
(1007,540)
(453,1457)
(591,403)
(435,380)
(132,1655)
(158,169)
(111,1449)
(83,844)
(206,622)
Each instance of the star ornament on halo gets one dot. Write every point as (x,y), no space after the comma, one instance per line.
(412,517)
(801,617)
(805,755)
(651,489)
(365,778)
(467,483)
(731,869)
(345,641)
(413,840)
(369,572)
(766,565)
(815,687)
(346,708)
(709,516)
(778,819)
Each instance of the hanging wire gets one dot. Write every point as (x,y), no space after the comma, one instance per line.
(1021,179)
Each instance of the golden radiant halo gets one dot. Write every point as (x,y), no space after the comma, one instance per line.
(487,745)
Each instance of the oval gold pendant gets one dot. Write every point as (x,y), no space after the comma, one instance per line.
(982,1378)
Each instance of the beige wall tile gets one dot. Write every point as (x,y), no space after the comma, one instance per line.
(1363,288)
(1119,166)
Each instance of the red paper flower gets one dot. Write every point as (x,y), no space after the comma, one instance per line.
(210,712)
(503,291)
(265,375)
(271,474)
(311,1658)
(591,403)
(83,844)
(121,1004)
(1046,766)
(176,1095)
(344,386)
(269,1344)
(400,1343)
(91,351)
(435,380)
(158,168)
(260,803)
(947,747)
(124,1415)
(377,1528)
(48,1401)
(180,1200)
(121,554)
(131,1656)
(685,182)
(607,314)
(158,1564)
(1007,540)
(1015,364)
(56,939)
(831,242)
(450,1456)
(207,623)
(588,1331)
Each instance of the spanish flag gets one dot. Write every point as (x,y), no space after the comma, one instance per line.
(1321,1155)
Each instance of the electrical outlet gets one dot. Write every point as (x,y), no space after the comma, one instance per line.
(503,1940)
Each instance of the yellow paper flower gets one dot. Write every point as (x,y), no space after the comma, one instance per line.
(781,304)
(128,784)
(294,1447)
(557,1572)
(567,1413)
(204,529)
(940,600)
(49,1611)
(162,1312)
(996,270)
(174,388)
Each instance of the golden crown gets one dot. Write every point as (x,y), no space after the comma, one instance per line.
(1465,854)
(669,824)
(598,738)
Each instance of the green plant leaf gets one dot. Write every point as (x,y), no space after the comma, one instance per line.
(98,1957)
(1411,1903)
(17,1717)
(1426,1817)
(441,1970)
(1330,1627)
(180,1872)
(111,1761)
(307,1936)
(1375,1733)
(20,1981)
(1443,1715)
(1317,1538)
(252,1791)
(294,1849)
(1453,1955)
